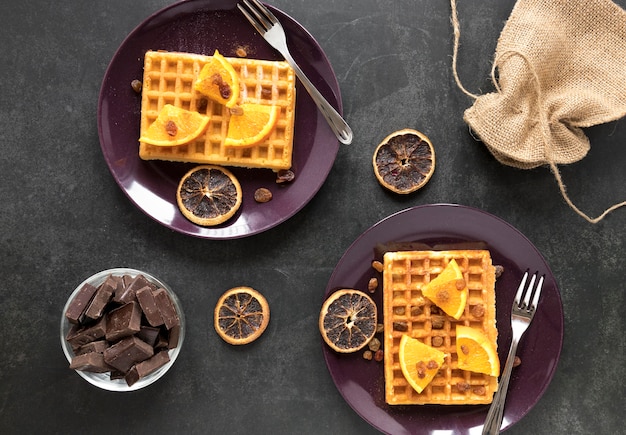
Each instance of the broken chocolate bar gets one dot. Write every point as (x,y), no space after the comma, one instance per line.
(91,362)
(80,303)
(127,352)
(144,368)
(123,321)
(79,335)
(145,296)
(166,308)
(100,299)
(127,293)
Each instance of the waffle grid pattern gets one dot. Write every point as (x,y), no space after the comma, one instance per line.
(407,311)
(168,79)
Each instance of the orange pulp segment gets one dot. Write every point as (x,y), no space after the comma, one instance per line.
(174,126)
(252,126)
(419,362)
(448,290)
(219,81)
(476,353)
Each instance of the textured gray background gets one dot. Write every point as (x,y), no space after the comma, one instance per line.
(63,217)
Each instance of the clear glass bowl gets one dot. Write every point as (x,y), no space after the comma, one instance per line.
(102,380)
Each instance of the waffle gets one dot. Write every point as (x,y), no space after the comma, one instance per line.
(168,78)
(407,311)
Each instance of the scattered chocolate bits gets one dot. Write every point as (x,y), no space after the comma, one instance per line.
(124,326)
(262,195)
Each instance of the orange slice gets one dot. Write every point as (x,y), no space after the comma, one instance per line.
(448,290)
(476,353)
(241,315)
(419,362)
(219,81)
(175,126)
(347,320)
(252,126)
(209,195)
(404,161)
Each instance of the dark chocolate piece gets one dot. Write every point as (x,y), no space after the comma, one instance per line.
(149,334)
(127,293)
(144,368)
(100,299)
(166,308)
(127,352)
(91,362)
(78,335)
(174,337)
(149,307)
(95,346)
(123,321)
(80,303)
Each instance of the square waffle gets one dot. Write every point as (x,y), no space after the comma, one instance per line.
(169,77)
(407,311)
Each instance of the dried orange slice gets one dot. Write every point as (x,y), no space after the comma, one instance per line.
(404,161)
(347,320)
(448,290)
(209,195)
(241,315)
(476,352)
(419,362)
(219,81)
(251,126)
(174,126)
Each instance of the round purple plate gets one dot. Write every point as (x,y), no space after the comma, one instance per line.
(201,26)
(361,382)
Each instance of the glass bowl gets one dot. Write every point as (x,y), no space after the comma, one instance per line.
(102,380)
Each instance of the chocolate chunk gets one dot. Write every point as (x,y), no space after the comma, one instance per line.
(128,292)
(127,352)
(148,304)
(174,337)
(100,299)
(144,368)
(166,308)
(123,321)
(80,303)
(78,335)
(91,362)
(95,346)
(149,334)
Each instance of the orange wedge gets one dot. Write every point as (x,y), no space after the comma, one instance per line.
(419,362)
(252,126)
(219,81)
(476,352)
(448,290)
(174,126)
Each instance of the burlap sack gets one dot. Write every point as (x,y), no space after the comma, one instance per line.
(561,67)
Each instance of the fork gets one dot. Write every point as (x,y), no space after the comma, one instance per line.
(522,314)
(266,23)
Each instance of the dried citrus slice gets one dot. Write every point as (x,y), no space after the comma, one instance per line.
(241,315)
(219,81)
(419,362)
(448,290)
(174,126)
(208,195)
(476,352)
(348,320)
(404,161)
(251,126)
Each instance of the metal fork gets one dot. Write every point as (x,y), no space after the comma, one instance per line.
(266,23)
(522,314)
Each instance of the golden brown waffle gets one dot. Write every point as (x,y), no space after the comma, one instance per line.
(407,311)
(168,78)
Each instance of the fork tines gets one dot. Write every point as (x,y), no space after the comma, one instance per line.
(523,300)
(263,18)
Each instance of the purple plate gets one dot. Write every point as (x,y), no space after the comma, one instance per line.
(201,26)
(361,382)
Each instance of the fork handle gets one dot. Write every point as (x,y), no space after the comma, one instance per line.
(338,125)
(493,422)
